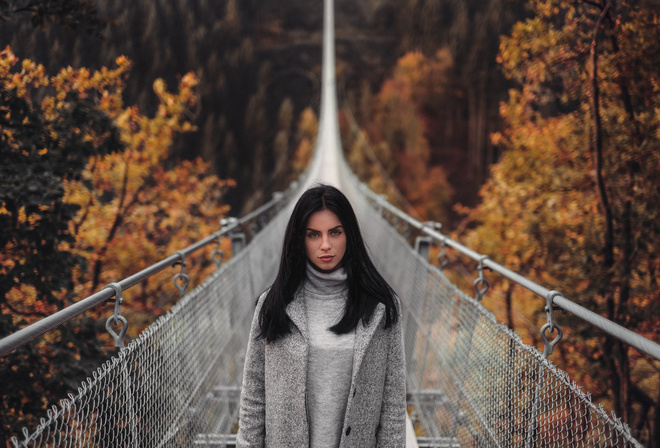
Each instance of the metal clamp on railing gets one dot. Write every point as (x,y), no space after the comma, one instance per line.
(423,243)
(117,317)
(181,280)
(550,307)
(238,239)
(481,280)
(442,258)
(217,255)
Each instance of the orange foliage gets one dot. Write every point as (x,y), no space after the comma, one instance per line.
(399,132)
(543,213)
(307,130)
(133,211)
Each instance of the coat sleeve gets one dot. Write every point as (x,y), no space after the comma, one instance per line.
(392,427)
(252,411)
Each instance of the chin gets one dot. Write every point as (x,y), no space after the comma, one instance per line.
(326,270)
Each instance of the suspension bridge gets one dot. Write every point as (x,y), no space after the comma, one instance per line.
(471,382)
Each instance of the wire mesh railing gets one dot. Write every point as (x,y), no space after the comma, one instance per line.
(406,224)
(180,378)
(471,381)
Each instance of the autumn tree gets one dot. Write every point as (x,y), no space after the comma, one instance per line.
(86,200)
(396,144)
(43,144)
(573,201)
(469,30)
(134,211)
(217,41)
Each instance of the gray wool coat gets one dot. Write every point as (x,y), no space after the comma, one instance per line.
(273,410)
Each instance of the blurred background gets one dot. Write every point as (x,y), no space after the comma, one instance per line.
(529,129)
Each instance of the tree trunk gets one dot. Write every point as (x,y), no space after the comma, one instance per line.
(477,135)
(613,350)
(597,142)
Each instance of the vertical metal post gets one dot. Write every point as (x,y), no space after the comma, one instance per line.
(415,293)
(473,325)
(238,243)
(423,246)
(459,399)
(532,428)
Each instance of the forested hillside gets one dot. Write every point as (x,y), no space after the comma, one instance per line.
(242,83)
(258,65)
(430,123)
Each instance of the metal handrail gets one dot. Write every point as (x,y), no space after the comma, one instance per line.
(612,328)
(25,335)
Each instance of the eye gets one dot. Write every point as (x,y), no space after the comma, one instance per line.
(336,232)
(312,234)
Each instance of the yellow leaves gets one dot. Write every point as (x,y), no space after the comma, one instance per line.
(7,60)
(308,124)
(153,136)
(173,105)
(187,127)
(135,212)
(123,63)
(497,138)
(188,81)
(306,136)
(411,68)
(24,298)
(31,75)
(159,87)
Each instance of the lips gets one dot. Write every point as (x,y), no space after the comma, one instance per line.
(327,258)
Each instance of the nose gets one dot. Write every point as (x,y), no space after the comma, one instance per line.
(325,243)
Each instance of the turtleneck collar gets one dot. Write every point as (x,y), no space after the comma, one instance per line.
(325,284)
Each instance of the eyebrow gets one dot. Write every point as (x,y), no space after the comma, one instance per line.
(334,228)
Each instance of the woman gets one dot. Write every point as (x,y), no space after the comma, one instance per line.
(325,364)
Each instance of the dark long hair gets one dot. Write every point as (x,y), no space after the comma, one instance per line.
(366,287)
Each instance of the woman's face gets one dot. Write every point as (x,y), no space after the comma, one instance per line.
(325,241)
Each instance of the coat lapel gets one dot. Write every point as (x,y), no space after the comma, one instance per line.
(297,313)
(363,335)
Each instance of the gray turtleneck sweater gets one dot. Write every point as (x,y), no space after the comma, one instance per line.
(330,356)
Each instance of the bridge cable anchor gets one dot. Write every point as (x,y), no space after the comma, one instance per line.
(181,286)
(551,325)
(116,317)
(481,280)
